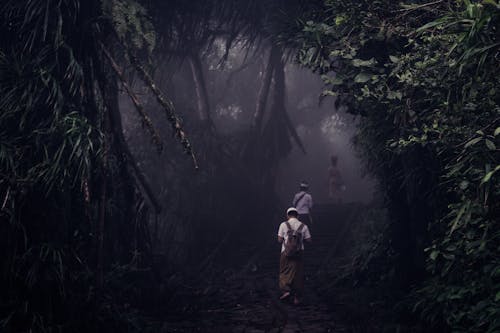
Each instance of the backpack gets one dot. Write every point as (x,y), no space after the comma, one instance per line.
(293,244)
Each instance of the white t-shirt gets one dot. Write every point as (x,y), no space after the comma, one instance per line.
(305,203)
(295,224)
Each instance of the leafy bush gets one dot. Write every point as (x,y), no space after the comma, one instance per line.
(424,77)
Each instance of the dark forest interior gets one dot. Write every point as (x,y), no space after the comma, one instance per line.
(150,149)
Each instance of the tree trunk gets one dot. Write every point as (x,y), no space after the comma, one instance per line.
(279,101)
(102,200)
(109,85)
(100,232)
(201,89)
(275,142)
(264,89)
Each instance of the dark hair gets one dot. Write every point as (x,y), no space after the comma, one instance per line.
(293,213)
(334,159)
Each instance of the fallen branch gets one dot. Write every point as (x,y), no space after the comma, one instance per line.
(140,109)
(167,105)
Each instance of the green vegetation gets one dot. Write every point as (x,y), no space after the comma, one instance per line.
(67,178)
(424,78)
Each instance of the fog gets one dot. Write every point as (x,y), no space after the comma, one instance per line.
(325,131)
(150,151)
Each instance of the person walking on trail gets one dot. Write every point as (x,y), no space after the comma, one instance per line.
(303,202)
(292,234)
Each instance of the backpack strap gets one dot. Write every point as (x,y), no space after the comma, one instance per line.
(294,232)
(300,227)
(295,203)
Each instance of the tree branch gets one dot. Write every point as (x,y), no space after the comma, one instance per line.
(167,105)
(138,106)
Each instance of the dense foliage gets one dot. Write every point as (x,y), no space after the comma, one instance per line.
(73,220)
(76,198)
(424,78)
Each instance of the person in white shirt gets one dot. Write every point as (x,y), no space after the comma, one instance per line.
(291,277)
(303,202)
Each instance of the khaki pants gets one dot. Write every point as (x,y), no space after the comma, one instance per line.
(292,274)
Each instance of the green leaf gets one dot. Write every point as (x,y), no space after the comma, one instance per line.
(459,216)
(488,176)
(329,93)
(432,24)
(472,142)
(451,248)
(497,297)
(463,184)
(339,19)
(363,63)
(362,77)
(335,81)
(394,95)
(490,145)
(490,2)
(449,256)
(394,59)
(497,131)
(434,254)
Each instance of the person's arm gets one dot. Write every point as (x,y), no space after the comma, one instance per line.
(307,235)
(281,234)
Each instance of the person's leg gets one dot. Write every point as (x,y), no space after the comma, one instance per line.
(285,277)
(298,281)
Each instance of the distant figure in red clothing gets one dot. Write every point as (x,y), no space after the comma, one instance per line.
(335,182)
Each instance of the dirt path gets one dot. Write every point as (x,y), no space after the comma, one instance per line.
(246,300)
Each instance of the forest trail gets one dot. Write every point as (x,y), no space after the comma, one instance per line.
(246,300)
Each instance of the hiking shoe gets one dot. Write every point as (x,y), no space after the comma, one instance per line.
(285,295)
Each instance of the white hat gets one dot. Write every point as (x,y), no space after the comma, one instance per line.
(291,209)
(304,184)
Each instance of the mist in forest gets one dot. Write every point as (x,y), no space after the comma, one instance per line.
(325,131)
(150,151)
(232,85)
